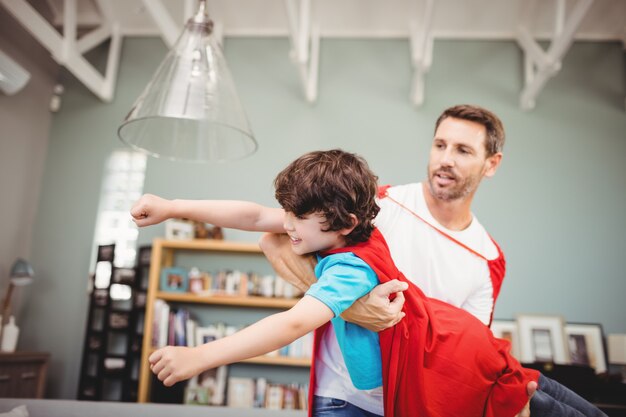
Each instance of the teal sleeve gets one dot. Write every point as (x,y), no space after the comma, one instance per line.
(342,279)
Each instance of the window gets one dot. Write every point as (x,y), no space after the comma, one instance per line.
(122,185)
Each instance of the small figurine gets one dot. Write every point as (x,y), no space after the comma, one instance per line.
(205,231)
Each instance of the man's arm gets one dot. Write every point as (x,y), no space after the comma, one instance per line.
(151,209)
(176,363)
(373,311)
(298,270)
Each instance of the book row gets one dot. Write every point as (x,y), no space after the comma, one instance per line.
(245,392)
(176,327)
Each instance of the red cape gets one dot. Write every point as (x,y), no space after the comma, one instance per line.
(439,361)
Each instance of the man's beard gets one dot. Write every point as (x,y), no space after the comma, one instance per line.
(460,190)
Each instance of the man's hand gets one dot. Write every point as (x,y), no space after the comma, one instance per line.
(172,364)
(375,311)
(530,389)
(150,209)
(296,269)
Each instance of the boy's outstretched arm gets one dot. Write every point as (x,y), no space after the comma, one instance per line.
(151,209)
(172,364)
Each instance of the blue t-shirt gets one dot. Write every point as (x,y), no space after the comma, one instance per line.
(342,279)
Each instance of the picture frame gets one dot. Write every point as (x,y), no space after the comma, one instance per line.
(240,392)
(174,279)
(178,229)
(106,253)
(140,299)
(195,395)
(144,277)
(586,345)
(144,256)
(507,330)
(542,339)
(213,382)
(119,320)
(124,276)
(206,334)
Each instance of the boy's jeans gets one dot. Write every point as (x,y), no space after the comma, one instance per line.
(326,407)
(554,399)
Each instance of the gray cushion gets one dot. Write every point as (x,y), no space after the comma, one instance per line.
(73,408)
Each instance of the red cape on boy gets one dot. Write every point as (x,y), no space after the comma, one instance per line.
(439,361)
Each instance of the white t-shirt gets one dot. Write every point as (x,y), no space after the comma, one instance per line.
(440,267)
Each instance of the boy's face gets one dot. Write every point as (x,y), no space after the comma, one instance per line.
(307,233)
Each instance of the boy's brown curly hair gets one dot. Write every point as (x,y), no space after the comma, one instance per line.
(334,183)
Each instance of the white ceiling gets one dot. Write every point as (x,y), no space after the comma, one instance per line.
(455,19)
(421,21)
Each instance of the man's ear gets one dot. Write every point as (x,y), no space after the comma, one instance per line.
(491,164)
(349,230)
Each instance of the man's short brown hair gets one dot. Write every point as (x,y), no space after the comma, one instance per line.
(334,183)
(492,123)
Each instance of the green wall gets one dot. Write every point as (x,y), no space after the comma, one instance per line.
(556,206)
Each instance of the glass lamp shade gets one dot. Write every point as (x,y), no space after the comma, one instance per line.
(22,273)
(190,110)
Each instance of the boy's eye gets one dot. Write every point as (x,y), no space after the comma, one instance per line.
(300,216)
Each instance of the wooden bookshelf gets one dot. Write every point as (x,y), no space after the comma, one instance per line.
(228,300)
(163,253)
(208,245)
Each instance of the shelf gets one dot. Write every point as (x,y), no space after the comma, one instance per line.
(250,301)
(163,255)
(209,244)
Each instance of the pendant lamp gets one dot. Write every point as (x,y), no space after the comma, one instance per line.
(190,110)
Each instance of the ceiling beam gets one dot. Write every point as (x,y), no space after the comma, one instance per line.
(422,42)
(540,65)
(67,50)
(305,45)
(168,28)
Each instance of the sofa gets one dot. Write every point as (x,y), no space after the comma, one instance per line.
(73,408)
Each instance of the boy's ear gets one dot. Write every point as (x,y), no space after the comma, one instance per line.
(349,230)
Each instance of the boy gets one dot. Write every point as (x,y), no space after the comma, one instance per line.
(439,361)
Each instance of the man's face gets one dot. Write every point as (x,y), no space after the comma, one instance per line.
(458,159)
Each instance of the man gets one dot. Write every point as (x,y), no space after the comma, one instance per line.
(432,234)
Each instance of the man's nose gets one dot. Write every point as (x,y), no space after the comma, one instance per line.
(447,158)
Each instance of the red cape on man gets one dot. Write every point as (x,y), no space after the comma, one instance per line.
(439,361)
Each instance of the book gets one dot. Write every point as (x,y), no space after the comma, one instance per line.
(260,389)
(190,331)
(274,397)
